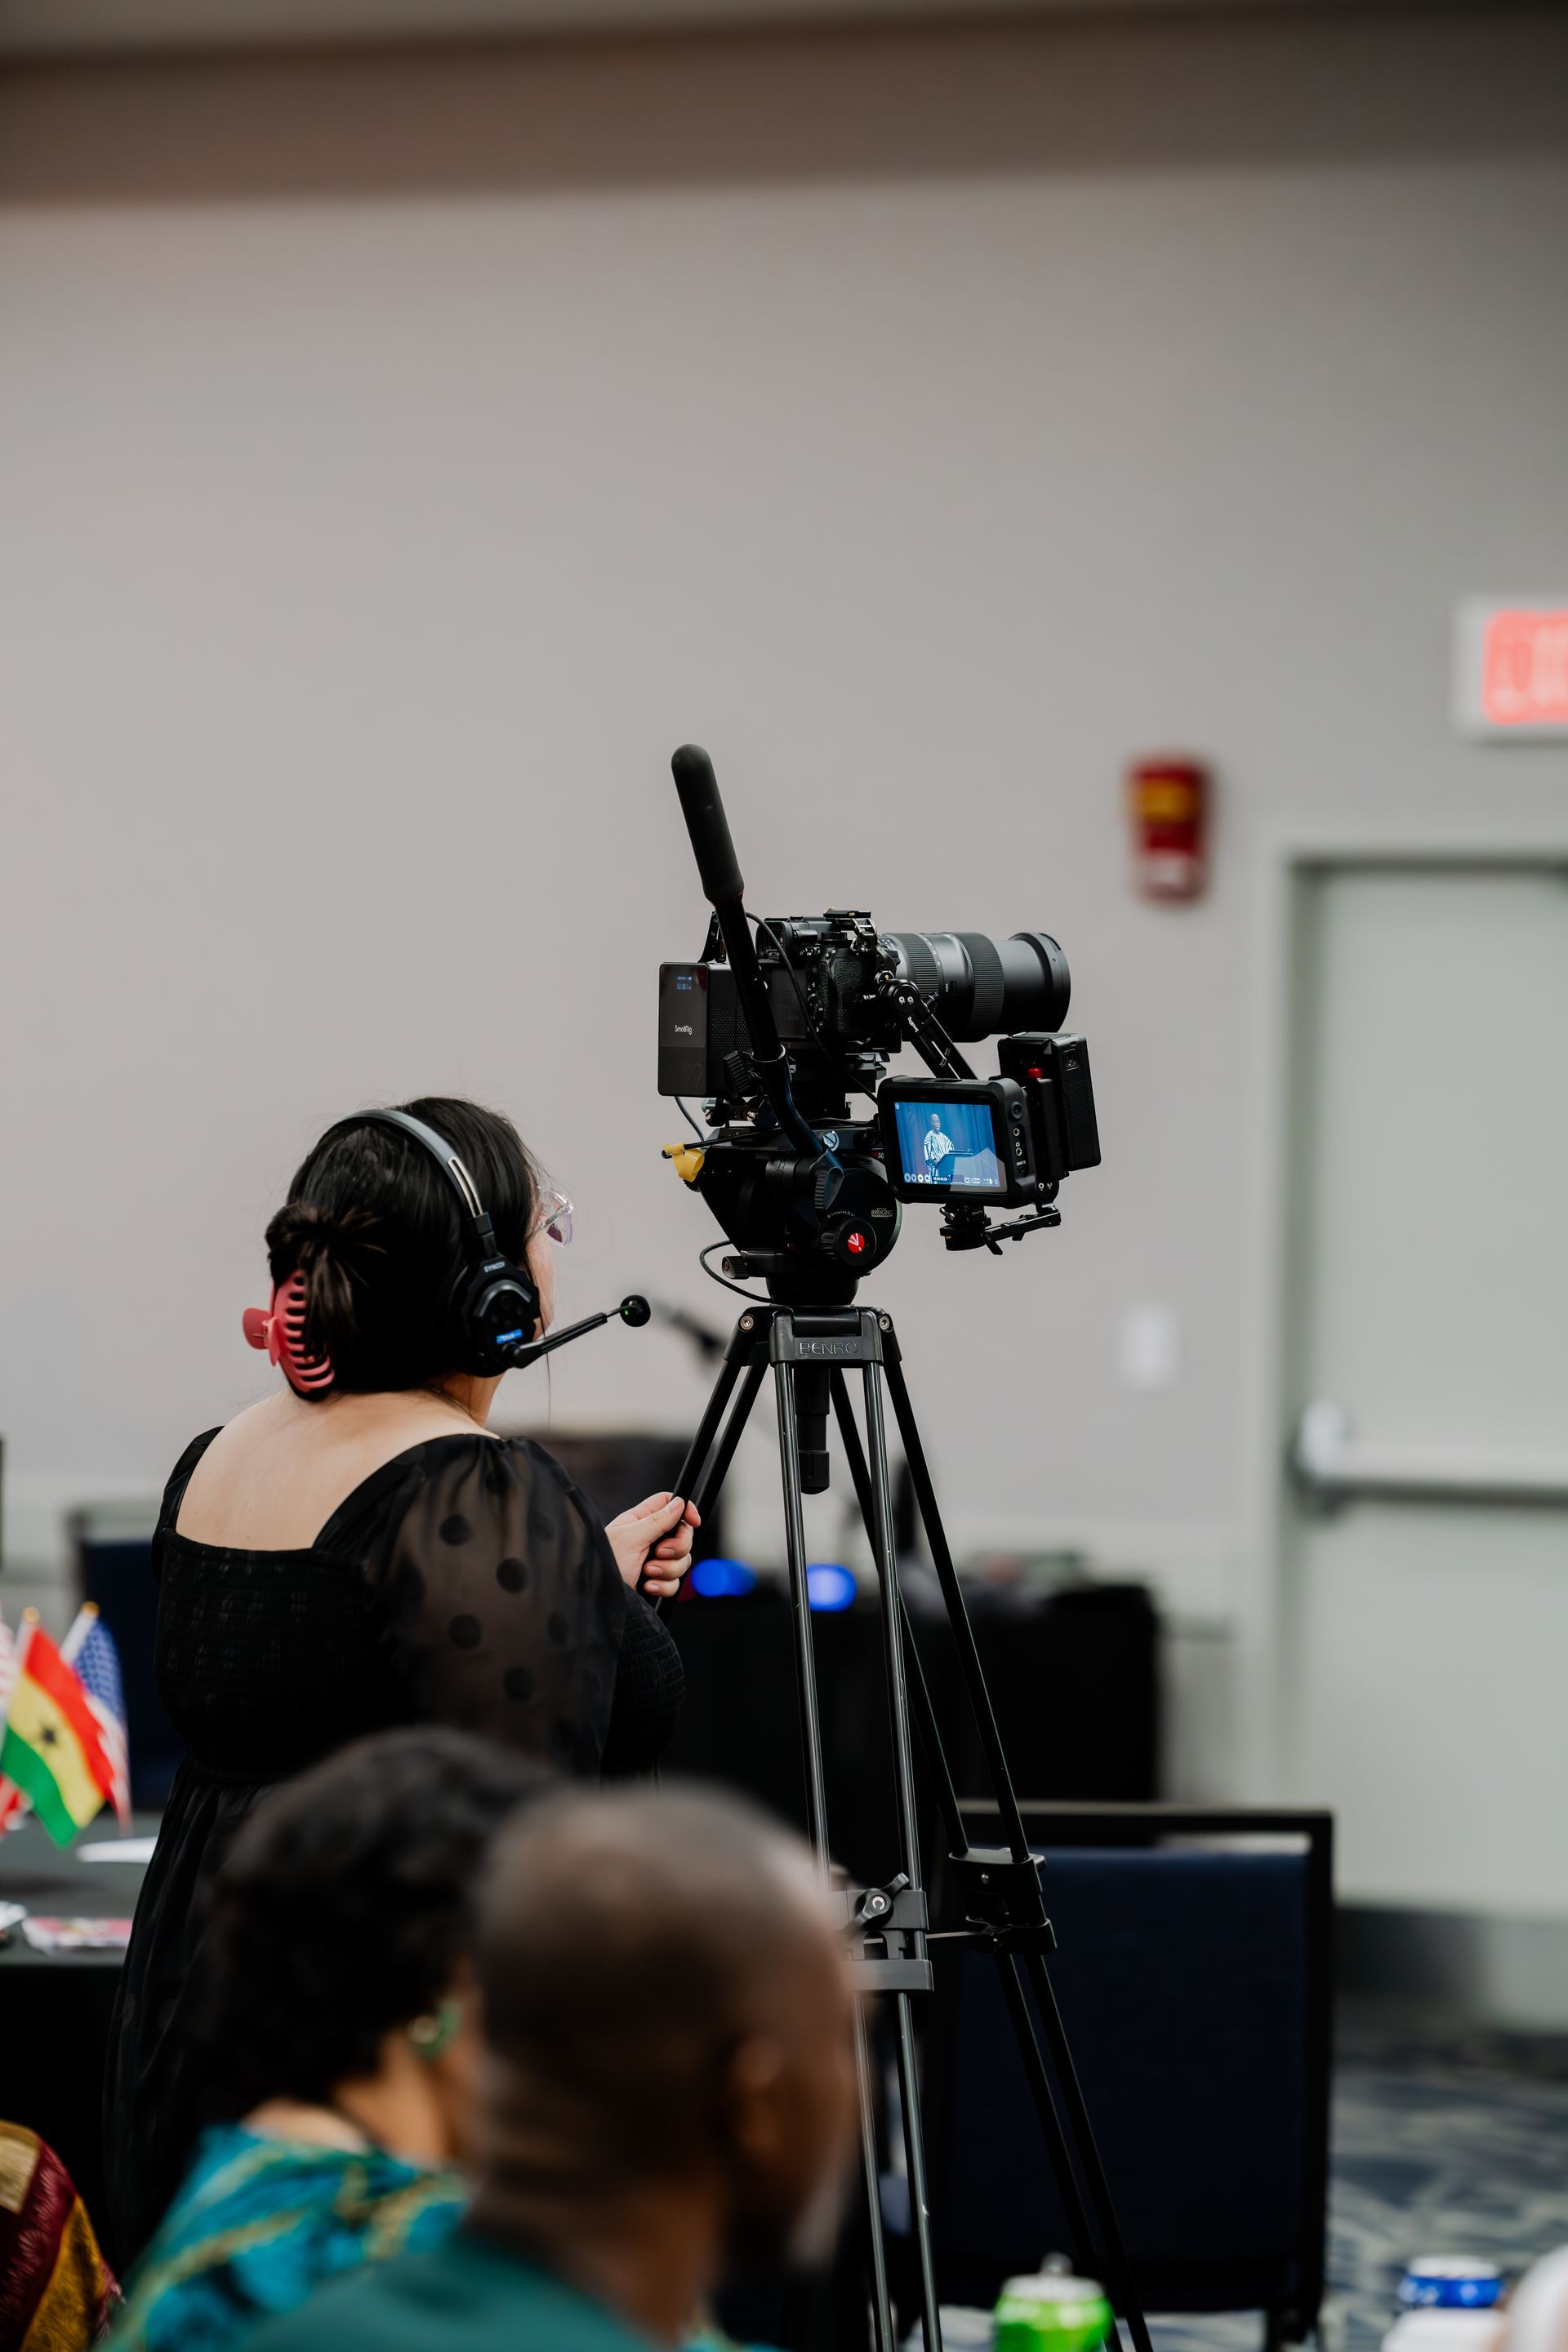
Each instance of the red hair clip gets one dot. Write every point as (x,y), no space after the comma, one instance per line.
(281,1330)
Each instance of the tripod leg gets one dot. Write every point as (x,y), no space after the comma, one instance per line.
(817,1812)
(1044,2096)
(711,1476)
(800,1609)
(708,1427)
(958,1613)
(1119,2273)
(921,1703)
(952,1810)
(882,1534)
(880,1530)
(915,2162)
(881,2302)
(703,1470)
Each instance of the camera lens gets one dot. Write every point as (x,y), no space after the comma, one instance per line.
(978,988)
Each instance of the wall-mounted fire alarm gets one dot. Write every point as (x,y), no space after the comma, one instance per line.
(1168,800)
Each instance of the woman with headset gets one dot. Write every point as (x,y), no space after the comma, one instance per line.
(358,1551)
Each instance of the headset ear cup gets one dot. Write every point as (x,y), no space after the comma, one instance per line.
(496,1310)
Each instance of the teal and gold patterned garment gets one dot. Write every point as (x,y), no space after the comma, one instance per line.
(260,2223)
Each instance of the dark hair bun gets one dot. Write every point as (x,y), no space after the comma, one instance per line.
(373,1227)
(333,1251)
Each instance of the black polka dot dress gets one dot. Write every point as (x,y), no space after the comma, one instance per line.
(466,1583)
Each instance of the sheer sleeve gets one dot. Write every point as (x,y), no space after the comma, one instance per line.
(500,1602)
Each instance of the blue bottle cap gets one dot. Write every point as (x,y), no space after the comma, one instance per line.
(1450,2283)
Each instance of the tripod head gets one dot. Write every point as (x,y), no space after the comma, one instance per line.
(776,1035)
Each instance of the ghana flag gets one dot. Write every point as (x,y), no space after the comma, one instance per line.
(53,1748)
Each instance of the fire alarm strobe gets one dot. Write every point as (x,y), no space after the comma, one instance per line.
(1168,802)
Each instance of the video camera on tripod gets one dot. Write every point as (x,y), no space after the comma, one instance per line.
(775,1035)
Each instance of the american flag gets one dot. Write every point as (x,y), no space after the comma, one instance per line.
(90,1648)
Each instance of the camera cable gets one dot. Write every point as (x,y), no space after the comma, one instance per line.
(757,1298)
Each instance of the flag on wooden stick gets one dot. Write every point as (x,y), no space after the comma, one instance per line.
(53,1748)
(90,1648)
(13,1804)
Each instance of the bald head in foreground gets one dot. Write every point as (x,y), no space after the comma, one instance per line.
(668,2086)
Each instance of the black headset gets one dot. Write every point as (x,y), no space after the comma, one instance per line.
(494,1309)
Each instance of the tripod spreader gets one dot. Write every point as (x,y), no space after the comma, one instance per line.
(895,1917)
(999,1893)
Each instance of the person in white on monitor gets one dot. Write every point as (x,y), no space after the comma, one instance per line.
(937,1148)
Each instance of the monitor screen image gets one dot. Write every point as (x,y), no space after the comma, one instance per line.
(950,1144)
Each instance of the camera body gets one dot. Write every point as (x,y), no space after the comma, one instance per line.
(842,998)
(837,991)
(820,974)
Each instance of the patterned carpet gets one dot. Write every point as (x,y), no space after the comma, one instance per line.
(1444,2142)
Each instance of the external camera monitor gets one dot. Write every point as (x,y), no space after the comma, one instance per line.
(947,1139)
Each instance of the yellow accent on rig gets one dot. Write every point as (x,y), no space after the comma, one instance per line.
(686,1160)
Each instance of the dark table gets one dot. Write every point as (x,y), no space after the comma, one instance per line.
(55,2008)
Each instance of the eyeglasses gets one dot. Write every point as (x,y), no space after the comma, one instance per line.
(555,1217)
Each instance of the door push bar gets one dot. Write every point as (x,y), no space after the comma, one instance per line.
(1334,1467)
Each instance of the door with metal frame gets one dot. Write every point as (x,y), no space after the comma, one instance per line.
(1425,1597)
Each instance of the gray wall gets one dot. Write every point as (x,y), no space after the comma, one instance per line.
(400,457)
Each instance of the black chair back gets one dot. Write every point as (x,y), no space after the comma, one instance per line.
(115,1572)
(1193,1978)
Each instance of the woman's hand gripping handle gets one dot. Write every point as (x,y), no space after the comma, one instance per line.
(652,1544)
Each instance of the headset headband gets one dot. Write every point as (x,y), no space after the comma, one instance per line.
(446,1158)
(494,1309)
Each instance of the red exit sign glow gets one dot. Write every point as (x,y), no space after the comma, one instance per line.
(1524,668)
(1513,666)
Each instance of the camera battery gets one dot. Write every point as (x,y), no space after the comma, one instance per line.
(1076,1089)
(1055,1076)
(683,990)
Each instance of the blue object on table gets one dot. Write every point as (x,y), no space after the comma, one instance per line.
(1450,2283)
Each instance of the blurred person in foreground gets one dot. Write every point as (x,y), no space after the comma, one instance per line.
(338,2038)
(56,2292)
(668,2094)
(1535,2319)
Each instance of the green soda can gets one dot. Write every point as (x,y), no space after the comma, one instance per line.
(1052,2313)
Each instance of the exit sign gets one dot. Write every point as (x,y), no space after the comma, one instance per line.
(1510,675)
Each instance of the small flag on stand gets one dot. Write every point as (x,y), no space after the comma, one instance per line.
(13,1804)
(53,1748)
(90,1648)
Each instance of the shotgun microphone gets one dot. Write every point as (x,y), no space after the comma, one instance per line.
(719,870)
(632,1311)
